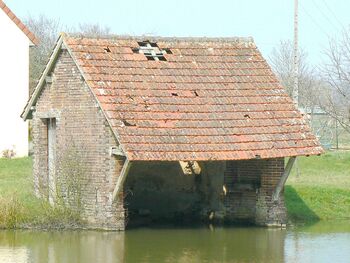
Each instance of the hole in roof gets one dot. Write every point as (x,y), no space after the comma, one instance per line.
(126,123)
(130,97)
(174,94)
(151,51)
(107,49)
(195,93)
(135,50)
(168,50)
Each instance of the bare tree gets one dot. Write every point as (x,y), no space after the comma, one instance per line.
(46,30)
(92,30)
(281,60)
(336,73)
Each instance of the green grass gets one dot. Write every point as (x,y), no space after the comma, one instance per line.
(322,189)
(19,208)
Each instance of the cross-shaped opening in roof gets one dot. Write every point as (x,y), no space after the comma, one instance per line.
(151,50)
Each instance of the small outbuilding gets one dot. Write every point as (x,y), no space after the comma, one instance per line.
(150,129)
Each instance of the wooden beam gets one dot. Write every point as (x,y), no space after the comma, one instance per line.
(121,179)
(283,178)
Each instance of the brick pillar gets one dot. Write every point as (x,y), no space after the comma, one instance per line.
(109,215)
(250,185)
(268,212)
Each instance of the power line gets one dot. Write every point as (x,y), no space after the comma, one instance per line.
(295,93)
(333,14)
(314,21)
(325,15)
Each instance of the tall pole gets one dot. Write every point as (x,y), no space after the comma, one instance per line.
(296,69)
(295,94)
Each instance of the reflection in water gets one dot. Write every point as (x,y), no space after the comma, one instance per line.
(307,244)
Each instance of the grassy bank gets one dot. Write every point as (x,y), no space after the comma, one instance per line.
(320,192)
(19,208)
(322,189)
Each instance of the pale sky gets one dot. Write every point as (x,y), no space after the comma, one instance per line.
(267,21)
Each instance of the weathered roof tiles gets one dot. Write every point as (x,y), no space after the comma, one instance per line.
(212,99)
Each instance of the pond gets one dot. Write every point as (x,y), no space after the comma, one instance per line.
(321,242)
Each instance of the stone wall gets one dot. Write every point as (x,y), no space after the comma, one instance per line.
(85,171)
(250,185)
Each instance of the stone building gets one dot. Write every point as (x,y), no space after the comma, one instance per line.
(145,129)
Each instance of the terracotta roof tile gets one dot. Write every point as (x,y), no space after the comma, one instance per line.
(19,23)
(212,99)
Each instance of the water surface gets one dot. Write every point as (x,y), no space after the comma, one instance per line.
(321,242)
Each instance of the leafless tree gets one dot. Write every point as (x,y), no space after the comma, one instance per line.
(46,30)
(281,60)
(91,30)
(336,73)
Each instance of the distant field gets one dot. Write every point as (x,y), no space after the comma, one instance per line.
(321,192)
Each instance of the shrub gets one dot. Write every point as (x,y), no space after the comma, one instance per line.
(12,212)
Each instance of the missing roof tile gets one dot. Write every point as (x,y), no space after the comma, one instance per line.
(126,123)
(168,50)
(174,94)
(107,49)
(195,93)
(135,50)
(150,50)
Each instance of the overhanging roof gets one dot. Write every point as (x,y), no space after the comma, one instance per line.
(211,99)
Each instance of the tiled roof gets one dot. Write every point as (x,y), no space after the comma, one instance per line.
(212,99)
(19,23)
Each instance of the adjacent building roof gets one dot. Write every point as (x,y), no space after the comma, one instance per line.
(191,98)
(19,23)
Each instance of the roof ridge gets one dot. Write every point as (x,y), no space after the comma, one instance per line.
(248,39)
(19,23)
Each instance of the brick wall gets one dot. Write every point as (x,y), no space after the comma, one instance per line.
(250,185)
(82,151)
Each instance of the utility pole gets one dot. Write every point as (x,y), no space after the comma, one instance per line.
(295,94)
